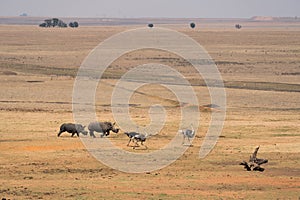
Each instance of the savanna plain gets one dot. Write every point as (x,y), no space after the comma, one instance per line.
(260,67)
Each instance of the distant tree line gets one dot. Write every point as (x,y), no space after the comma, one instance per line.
(55,22)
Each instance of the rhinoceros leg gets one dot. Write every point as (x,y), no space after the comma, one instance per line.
(92,134)
(107,133)
(60,132)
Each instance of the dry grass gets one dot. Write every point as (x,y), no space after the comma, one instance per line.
(259,68)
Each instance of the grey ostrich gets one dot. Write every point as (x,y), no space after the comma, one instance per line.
(187,133)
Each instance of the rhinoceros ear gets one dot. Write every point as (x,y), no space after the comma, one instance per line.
(114,123)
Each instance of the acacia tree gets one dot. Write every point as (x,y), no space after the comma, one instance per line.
(55,22)
(193,25)
(76,24)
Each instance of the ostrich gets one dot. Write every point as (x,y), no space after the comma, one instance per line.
(187,133)
(137,137)
(131,136)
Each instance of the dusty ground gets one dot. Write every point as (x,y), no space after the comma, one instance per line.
(260,67)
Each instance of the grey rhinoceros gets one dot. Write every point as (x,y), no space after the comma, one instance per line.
(72,128)
(102,127)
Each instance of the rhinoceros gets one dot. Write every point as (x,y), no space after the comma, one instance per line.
(72,128)
(102,127)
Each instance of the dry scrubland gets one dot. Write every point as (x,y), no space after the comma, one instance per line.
(261,71)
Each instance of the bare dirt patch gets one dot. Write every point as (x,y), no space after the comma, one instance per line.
(260,69)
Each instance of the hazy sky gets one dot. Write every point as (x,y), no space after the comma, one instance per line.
(151,8)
